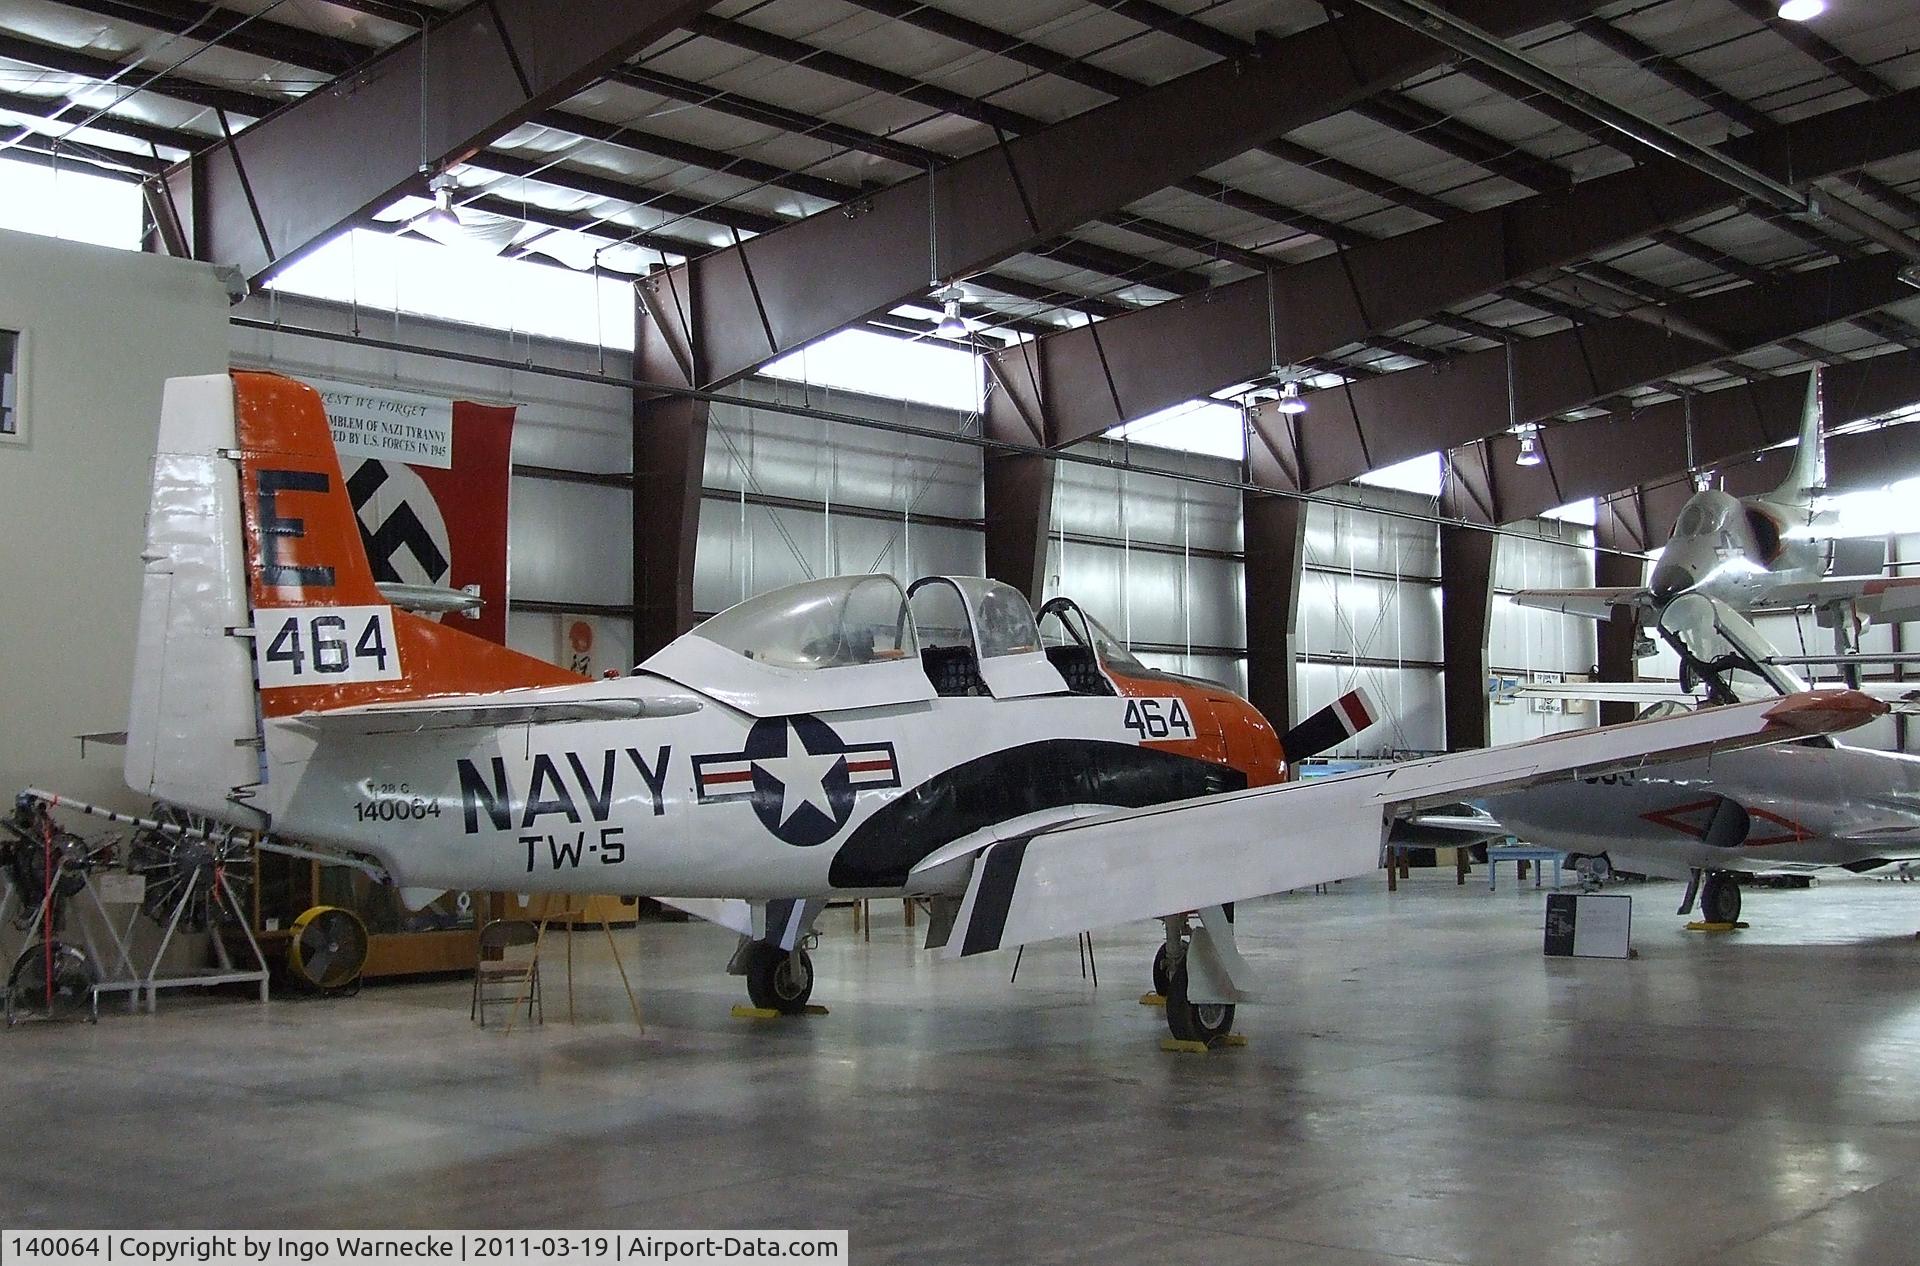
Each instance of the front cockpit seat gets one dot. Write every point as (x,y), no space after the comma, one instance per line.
(1077,668)
(953,670)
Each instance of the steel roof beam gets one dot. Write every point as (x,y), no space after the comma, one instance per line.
(1672,72)
(1079,383)
(277,189)
(264,38)
(1365,425)
(1802,37)
(1075,70)
(735,309)
(1855,461)
(1595,457)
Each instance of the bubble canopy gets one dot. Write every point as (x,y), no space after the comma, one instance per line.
(835,622)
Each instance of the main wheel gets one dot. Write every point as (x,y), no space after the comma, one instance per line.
(778,980)
(1162,976)
(1720,899)
(1208,1022)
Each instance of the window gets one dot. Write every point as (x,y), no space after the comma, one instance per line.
(11,344)
(69,202)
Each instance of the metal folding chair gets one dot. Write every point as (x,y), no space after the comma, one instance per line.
(507,980)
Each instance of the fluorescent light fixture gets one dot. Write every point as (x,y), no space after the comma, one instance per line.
(1802,10)
(1529,454)
(1290,401)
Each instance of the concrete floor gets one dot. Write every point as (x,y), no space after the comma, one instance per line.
(1424,1086)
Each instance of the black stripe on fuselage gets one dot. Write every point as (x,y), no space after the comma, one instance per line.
(1010,783)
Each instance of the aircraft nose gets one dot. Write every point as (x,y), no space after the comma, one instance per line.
(1670,579)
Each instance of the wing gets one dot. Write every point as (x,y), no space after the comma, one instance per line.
(1598,604)
(1882,599)
(1149,863)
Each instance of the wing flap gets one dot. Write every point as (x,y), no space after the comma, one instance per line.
(1149,863)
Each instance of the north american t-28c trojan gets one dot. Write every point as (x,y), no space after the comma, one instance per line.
(841,737)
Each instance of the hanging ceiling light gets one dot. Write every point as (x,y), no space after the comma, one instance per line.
(952,324)
(443,215)
(1802,10)
(1529,454)
(1290,399)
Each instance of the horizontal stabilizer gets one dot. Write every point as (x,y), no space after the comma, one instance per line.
(484,712)
(1151,863)
(1595,604)
(1331,726)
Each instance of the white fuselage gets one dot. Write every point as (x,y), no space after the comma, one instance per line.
(712,801)
(1804,805)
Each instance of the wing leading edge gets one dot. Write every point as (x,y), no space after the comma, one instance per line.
(1149,863)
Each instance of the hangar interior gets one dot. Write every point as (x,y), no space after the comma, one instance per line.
(1289,340)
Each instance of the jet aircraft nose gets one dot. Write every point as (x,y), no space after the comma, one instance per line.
(1670,579)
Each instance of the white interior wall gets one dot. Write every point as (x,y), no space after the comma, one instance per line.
(746,548)
(1525,642)
(105,330)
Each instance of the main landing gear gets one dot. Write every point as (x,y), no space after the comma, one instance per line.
(779,980)
(1195,970)
(1719,894)
(774,957)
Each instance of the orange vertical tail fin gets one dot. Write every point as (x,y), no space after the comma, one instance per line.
(323,635)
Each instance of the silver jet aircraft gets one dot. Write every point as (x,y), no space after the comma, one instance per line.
(1750,554)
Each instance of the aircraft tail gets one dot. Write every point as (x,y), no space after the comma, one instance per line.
(1807,477)
(258,600)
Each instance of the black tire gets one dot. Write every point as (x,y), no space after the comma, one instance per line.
(1720,899)
(778,980)
(1195,1022)
(1162,978)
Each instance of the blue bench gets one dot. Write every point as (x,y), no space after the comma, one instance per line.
(1497,853)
